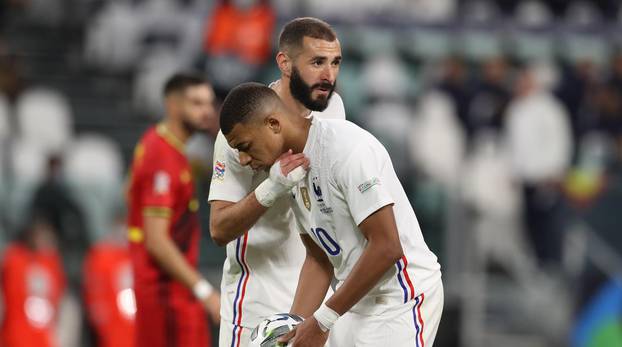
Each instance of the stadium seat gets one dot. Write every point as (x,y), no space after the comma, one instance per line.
(352,93)
(93,169)
(44,119)
(113,38)
(427,44)
(373,41)
(166,23)
(576,47)
(149,80)
(480,12)
(384,76)
(429,11)
(532,14)
(479,45)
(528,45)
(27,165)
(582,13)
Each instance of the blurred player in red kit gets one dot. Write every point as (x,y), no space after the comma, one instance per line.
(33,283)
(164,232)
(108,289)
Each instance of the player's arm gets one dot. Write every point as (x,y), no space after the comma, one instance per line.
(314,280)
(163,250)
(383,250)
(230,220)
(370,202)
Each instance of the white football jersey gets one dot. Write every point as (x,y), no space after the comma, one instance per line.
(260,273)
(351,176)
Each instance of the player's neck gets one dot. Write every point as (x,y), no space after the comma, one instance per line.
(281,87)
(178,130)
(299,135)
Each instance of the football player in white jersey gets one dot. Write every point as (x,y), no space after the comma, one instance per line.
(264,254)
(355,221)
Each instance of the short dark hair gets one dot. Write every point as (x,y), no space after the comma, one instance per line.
(243,102)
(182,80)
(295,30)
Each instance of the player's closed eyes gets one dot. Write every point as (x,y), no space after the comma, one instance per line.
(244,147)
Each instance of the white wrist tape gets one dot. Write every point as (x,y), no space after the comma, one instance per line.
(277,185)
(202,289)
(326,317)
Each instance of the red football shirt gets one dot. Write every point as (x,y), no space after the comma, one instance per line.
(161,185)
(108,294)
(32,285)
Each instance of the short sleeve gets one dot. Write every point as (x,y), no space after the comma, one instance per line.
(360,180)
(230,180)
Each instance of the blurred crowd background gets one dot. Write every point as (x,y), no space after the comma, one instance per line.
(503,120)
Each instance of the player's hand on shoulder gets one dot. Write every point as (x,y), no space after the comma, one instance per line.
(212,306)
(306,334)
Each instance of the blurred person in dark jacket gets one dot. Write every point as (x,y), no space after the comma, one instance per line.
(53,201)
(455,83)
(490,97)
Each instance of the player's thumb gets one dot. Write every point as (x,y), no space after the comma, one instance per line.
(283,340)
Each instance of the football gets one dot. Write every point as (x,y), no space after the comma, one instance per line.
(271,328)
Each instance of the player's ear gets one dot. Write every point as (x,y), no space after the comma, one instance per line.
(284,63)
(273,124)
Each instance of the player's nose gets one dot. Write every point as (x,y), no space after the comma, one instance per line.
(329,74)
(245,159)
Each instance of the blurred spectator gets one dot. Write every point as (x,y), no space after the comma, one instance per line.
(437,144)
(606,108)
(539,138)
(10,73)
(490,97)
(490,192)
(243,32)
(53,201)
(616,72)
(455,83)
(32,286)
(237,40)
(576,81)
(108,289)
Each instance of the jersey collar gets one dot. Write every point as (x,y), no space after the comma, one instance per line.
(169,137)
